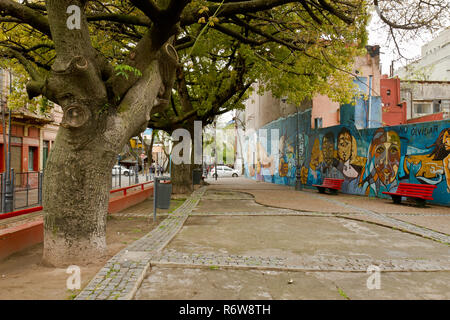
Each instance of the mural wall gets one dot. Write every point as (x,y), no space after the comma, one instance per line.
(370,160)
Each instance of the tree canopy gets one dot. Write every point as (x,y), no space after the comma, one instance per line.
(293,47)
(223,46)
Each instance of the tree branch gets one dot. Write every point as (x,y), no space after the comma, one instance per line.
(26,15)
(121,18)
(237,36)
(409,26)
(336,12)
(11,53)
(228,9)
(149,8)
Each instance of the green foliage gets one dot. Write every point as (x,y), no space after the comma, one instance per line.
(342,293)
(124,69)
(322,66)
(216,62)
(104,109)
(17,97)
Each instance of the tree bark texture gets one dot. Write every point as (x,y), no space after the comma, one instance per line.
(181,175)
(101,114)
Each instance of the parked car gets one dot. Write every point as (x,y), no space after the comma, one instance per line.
(121,169)
(224,171)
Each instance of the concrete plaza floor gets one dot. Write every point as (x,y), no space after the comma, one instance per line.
(253,240)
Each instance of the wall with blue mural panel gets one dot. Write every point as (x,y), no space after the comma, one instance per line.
(369,160)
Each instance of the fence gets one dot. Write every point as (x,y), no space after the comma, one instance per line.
(27,187)
(26,190)
(122,179)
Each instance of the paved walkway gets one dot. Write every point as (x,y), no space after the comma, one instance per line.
(241,239)
(376,210)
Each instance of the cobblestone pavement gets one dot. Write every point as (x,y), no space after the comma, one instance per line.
(173,258)
(122,274)
(325,263)
(395,223)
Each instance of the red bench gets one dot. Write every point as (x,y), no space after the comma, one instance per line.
(333,185)
(419,192)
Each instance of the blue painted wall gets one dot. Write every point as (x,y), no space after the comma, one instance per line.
(357,113)
(369,160)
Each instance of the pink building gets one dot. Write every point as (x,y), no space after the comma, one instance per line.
(32,133)
(326,112)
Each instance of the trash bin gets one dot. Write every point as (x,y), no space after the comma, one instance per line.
(196,176)
(163,195)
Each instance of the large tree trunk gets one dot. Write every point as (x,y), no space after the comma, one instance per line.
(102,109)
(181,178)
(149,149)
(181,175)
(75,199)
(77,180)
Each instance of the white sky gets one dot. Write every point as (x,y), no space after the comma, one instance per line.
(410,49)
(388,52)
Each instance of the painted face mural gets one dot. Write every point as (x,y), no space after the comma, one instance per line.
(286,167)
(385,150)
(328,149)
(441,151)
(283,167)
(316,155)
(446,140)
(301,148)
(344,145)
(370,161)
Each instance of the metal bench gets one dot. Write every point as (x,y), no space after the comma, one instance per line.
(419,192)
(333,185)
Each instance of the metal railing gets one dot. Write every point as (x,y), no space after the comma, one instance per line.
(124,179)
(125,189)
(27,187)
(26,190)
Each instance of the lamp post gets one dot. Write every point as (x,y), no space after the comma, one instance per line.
(215,150)
(136,169)
(298,178)
(9,195)
(3,103)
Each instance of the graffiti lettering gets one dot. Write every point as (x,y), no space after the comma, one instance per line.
(424,131)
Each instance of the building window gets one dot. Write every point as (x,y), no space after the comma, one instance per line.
(16,158)
(437,106)
(45,153)
(32,155)
(422,108)
(318,123)
(445,106)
